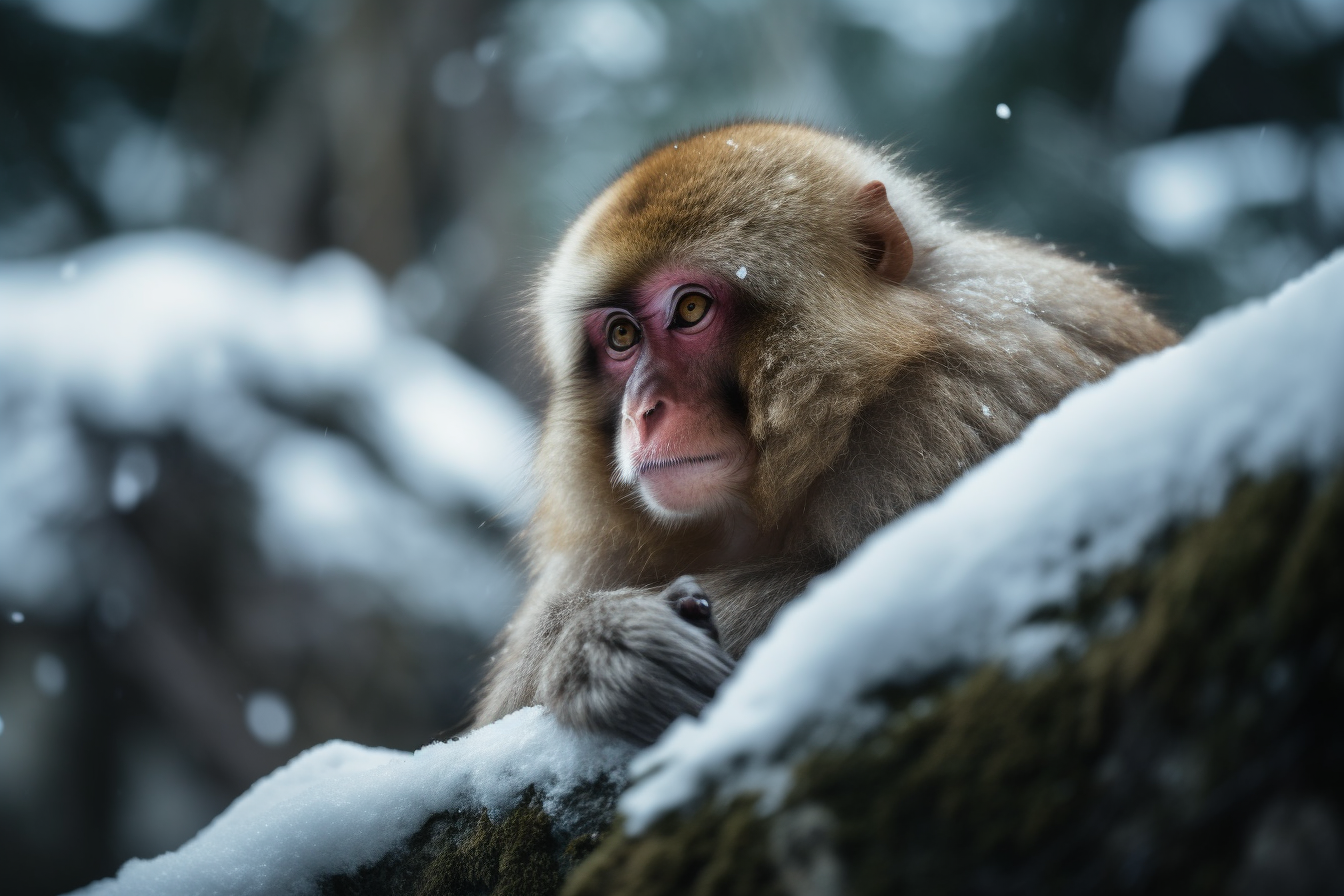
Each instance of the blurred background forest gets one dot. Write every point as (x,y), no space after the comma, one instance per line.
(247,507)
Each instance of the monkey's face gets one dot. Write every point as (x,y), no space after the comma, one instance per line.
(667,351)
(709,290)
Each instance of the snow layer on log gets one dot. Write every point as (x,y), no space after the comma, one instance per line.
(340,806)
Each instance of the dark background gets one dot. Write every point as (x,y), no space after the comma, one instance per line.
(170,660)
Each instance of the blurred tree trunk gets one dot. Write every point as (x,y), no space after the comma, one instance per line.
(354,150)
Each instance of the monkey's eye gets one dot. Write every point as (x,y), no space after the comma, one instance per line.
(622,334)
(691,309)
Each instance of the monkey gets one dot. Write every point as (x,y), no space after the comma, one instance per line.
(763,342)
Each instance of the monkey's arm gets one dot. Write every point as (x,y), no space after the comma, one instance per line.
(626,662)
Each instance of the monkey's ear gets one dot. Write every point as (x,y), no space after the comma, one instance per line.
(887,245)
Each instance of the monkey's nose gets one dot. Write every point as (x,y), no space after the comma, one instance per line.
(649,417)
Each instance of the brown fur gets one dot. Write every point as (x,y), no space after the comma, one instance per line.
(864,397)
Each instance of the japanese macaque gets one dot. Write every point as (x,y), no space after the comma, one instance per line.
(763,343)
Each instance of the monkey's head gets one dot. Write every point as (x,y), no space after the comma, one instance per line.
(701,306)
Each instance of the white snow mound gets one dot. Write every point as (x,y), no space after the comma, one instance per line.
(140,330)
(340,806)
(1251,391)
(184,333)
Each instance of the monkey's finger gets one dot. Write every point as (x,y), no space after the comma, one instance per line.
(683,586)
(694,610)
(691,603)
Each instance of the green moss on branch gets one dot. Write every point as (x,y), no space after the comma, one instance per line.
(1190,752)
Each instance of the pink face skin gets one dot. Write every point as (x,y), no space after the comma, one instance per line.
(679,441)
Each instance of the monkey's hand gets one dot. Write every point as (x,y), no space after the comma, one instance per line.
(629,662)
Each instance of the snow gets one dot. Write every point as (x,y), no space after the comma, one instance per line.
(1167,43)
(340,806)
(49,675)
(175,332)
(1081,492)
(269,718)
(941,31)
(1183,192)
(149,323)
(100,18)
(134,476)
(1003,112)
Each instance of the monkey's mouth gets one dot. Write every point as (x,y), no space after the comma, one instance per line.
(691,485)
(656,466)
